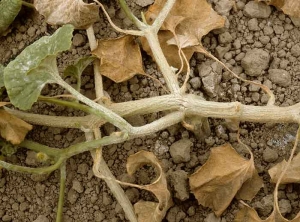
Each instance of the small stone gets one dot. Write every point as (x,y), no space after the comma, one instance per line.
(31,158)
(280,77)
(220,50)
(268,30)
(179,181)
(77,186)
(195,82)
(6,218)
(132,194)
(255,62)
(257,10)
(191,211)
(98,216)
(31,31)
(41,218)
(212,218)
(24,206)
(265,205)
(223,7)
(83,169)
(180,151)
(285,206)
(295,50)
(144,3)
(78,40)
(225,38)
(253,25)
(72,196)
(270,155)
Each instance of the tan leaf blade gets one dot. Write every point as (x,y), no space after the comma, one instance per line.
(292,174)
(145,210)
(289,7)
(217,182)
(12,128)
(191,18)
(120,59)
(81,15)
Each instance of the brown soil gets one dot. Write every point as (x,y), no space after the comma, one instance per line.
(34,198)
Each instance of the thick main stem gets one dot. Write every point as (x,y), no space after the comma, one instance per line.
(162,62)
(190,104)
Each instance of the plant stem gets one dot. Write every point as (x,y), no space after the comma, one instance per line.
(162,62)
(52,152)
(62,187)
(130,15)
(99,109)
(27,4)
(189,104)
(163,15)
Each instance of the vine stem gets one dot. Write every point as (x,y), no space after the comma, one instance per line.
(102,167)
(62,187)
(188,104)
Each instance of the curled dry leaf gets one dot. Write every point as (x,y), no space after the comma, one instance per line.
(189,20)
(292,174)
(12,128)
(219,180)
(150,211)
(289,7)
(81,15)
(120,59)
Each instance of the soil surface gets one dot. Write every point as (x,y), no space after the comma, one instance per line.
(261,45)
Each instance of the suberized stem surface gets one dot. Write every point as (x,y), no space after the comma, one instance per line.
(188,104)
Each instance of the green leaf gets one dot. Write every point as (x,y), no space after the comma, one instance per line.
(77,69)
(25,77)
(1,75)
(9,9)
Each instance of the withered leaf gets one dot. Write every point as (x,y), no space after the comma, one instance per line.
(150,211)
(120,59)
(248,214)
(189,20)
(188,17)
(12,128)
(217,182)
(292,174)
(289,7)
(81,15)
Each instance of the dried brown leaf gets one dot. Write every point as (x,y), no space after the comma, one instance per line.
(81,15)
(12,128)
(189,20)
(145,210)
(188,17)
(120,59)
(292,174)
(289,7)
(217,182)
